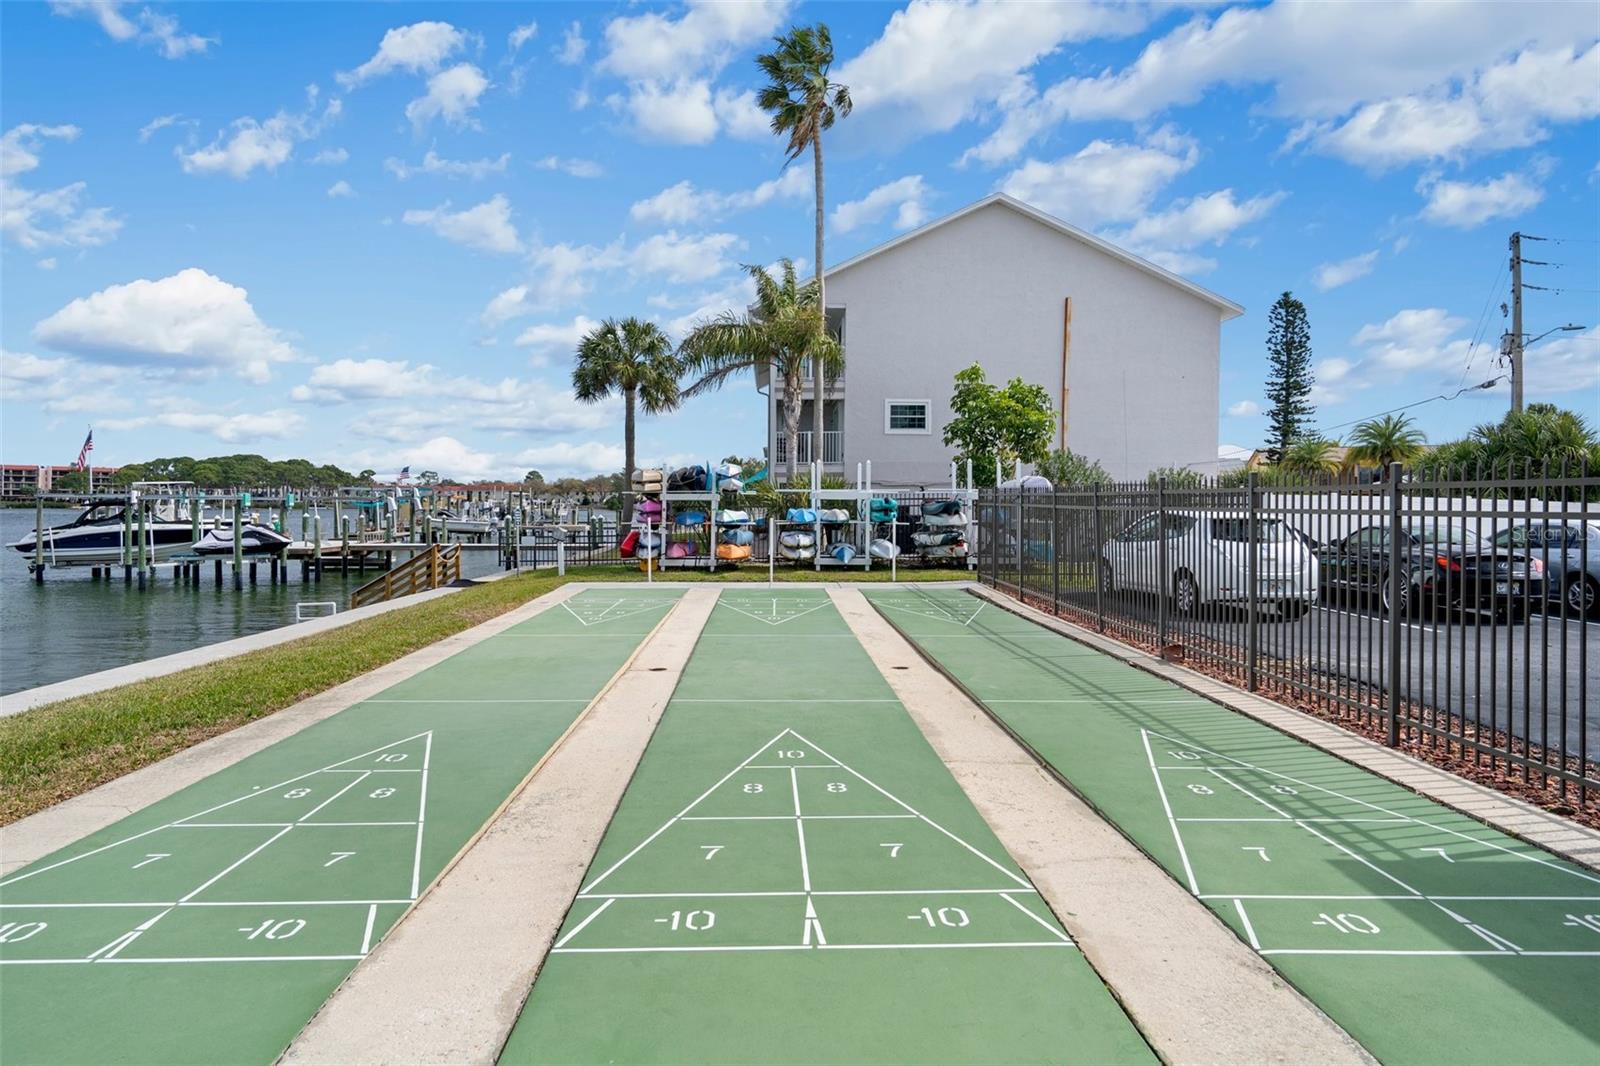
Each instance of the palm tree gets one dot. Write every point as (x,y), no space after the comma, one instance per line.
(781,333)
(632,359)
(1310,457)
(1390,439)
(803,103)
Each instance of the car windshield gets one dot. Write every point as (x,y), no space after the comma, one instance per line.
(1239,529)
(1445,533)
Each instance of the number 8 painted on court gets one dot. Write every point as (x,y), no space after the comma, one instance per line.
(753,787)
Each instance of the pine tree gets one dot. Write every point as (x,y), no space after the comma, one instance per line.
(1289,356)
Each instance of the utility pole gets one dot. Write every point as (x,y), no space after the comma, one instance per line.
(1516,323)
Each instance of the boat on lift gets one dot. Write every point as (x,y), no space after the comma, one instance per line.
(96,535)
(254,539)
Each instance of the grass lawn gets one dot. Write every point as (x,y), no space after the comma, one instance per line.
(57,751)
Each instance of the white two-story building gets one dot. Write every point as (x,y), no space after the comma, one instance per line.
(1129,351)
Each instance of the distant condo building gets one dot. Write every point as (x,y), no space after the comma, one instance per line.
(20,481)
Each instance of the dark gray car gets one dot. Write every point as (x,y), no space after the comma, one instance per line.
(1571,554)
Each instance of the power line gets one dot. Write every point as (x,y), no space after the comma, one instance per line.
(1431,399)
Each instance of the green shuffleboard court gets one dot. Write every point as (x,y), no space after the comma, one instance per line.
(794,876)
(211,925)
(1430,937)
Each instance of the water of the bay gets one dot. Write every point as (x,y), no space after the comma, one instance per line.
(70,625)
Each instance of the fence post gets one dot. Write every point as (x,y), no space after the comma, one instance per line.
(1252,572)
(1055,557)
(994,539)
(561,558)
(1021,533)
(1161,579)
(1100,569)
(1396,622)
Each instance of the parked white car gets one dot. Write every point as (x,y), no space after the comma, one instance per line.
(1201,557)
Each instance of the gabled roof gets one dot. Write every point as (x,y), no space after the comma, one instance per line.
(1228,308)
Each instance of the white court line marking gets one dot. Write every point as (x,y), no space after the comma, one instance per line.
(1414,899)
(126,938)
(560,699)
(813,925)
(240,958)
(580,926)
(422,811)
(207,903)
(703,947)
(1101,700)
(786,817)
(362,777)
(815,892)
(806,947)
(238,863)
(1188,871)
(1375,951)
(774,620)
(793,699)
(985,944)
(1052,929)
(845,767)
(1318,821)
(668,824)
(366,937)
(639,608)
(1280,812)
(800,830)
(1379,808)
(1249,930)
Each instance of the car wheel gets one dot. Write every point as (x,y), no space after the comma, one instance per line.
(1295,610)
(1580,596)
(1108,580)
(1185,594)
(1409,595)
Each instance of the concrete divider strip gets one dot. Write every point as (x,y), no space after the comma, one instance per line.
(1197,993)
(448,983)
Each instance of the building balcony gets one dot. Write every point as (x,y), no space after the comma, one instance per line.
(832,448)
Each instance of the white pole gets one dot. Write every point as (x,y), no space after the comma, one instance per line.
(969,475)
(561,558)
(772,549)
(894,554)
(997,477)
(952,475)
(869,476)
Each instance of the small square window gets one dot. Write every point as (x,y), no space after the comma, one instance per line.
(905,416)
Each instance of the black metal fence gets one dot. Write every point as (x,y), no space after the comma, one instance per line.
(1474,634)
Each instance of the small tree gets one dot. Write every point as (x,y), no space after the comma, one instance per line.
(428,477)
(1290,381)
(533,478)
(1178,477)
(1310,457)
(1067,468)
(1390,439)
(631,358)
(1010,424)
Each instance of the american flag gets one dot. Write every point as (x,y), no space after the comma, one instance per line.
(83,453)
(405,472)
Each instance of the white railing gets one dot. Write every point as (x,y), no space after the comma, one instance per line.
(832,446)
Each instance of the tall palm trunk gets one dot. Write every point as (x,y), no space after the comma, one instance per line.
(630,399)
(791,422)
(817,387)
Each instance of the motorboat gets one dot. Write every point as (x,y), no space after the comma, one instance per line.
(254,539)
(95,536)
(449,521)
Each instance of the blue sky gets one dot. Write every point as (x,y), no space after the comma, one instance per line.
(370,234)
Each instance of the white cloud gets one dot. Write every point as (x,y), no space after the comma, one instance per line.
(939,63)
(573,46)
(1414,339)
(683,203)
(452,94)
(564,457)
(331,157)
(1434,74)
(521,36)
(577,168)
(228,428)
(1105,181)
(1464,204)
(486,227)
(1244,409)
(545,337)
(740,115)
(1167,237)
(509,404)
(669,64)
(23,369)
(421,47)
(63,386)
(20,145)
(151,28)
(47,263)
(433,163)
(160,122)
(904,196)
(259,144)
(339,189)
(1330,276)
(1567,363)
(51,218)
(683,259)
(191,320)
